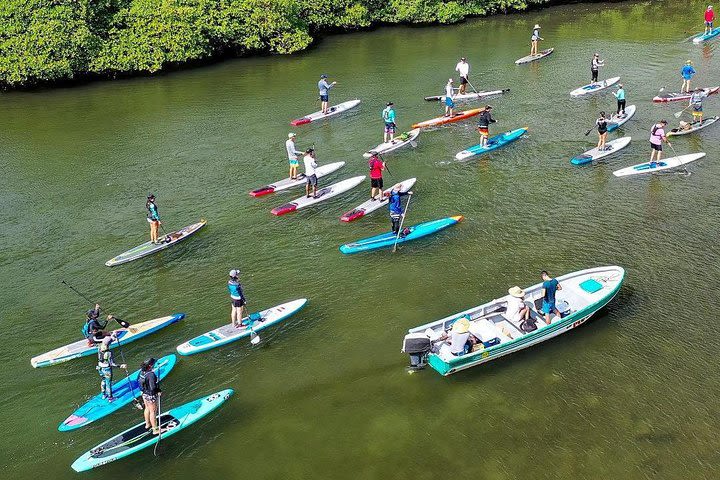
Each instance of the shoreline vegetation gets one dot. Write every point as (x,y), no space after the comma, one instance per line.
(46,43)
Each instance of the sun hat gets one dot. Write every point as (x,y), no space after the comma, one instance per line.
(450,80)
(324,75)
(689,62)
(389,104)
(291,135)
(234,273)
(461,325)
(536,26)
(516,292)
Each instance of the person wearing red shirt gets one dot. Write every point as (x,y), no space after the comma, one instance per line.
(709,19)
(376,181)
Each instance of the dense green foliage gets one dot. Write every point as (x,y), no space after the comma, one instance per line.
(44,41)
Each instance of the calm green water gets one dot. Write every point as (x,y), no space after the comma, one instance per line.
(631,395)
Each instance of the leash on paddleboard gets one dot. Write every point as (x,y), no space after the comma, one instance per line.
(122,323)
(402,220)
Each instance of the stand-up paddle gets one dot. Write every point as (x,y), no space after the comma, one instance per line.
(122,323)
(677,114)
(402,220)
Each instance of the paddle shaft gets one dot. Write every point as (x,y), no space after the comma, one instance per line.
(471,86)
(158,425)
(677,115)
(132,389)
(122,323)
(402,220)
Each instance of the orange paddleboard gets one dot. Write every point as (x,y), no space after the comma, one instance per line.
(443,120)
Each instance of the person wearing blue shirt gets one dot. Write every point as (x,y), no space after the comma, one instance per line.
(388,116)
(620,95)
(237,299)
(549,287)
(324,89)
(395,206)
(687,73)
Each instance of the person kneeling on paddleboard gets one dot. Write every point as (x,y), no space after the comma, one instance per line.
(534,38)
(696,102)
(324,89)
(311,179)
(388,116)
(376,180)
(657,136)
(449,94)
(709,19)
(105,365)
(687,72)
(602,126)
(395,207)
(484,120)
(237,298)
(595,65)
(150,388)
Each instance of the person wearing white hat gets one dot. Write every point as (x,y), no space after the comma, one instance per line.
(106,363)
(517,312)
(709,19)
(449,94)
(292,153)
(534,38)
(237,298)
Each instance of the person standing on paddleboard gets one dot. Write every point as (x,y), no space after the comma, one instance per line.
(292,154)
(395,206)
(150,389)
(484,120)
(376,180)
(449,94)
(310,176)
(602,126)
(534,39)
(105,365)
(153,217)
(687,72)
(324,88)
(709,19)
(463,68)
(657,136)
(595,65)
(237,299)
(696,102)
(388,115)
(620,95)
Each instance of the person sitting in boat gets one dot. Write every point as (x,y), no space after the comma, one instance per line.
(237,298)
(709,19)
(534,38)
(449,94)
(106,363)
(696,102)
(153,218)
(518,313)
(484,120)
(549,287)
(395,206)
(458,338)
(150,388)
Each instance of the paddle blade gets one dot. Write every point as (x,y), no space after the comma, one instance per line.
(413,144)
(677,114)
(254,338)
(123,323)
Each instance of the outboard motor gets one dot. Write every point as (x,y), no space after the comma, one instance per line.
(417,346)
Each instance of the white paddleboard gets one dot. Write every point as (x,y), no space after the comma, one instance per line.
(323,194)
(596,154)
(594,87)
(372,205)
(399,141)
(665,164)
(286,183)
(334,110)
(694,127)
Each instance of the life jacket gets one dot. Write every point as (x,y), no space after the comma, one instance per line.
(144,383)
